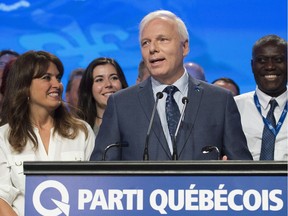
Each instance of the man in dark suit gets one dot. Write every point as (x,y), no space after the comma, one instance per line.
(211,116)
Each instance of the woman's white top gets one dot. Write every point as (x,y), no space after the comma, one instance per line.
(12,179)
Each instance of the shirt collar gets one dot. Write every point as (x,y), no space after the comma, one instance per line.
(264,99)
(181,83)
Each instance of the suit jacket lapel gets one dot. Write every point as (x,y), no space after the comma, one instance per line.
(195,92)
(147,102)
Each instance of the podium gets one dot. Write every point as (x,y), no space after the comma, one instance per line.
(156,188)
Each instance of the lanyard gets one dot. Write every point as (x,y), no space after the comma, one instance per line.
(266,122)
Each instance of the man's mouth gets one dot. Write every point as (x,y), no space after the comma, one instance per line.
(271,77)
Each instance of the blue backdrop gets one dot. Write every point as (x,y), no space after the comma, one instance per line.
(222,33)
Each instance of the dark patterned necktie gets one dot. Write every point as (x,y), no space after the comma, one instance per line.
(268,138)
(172,110)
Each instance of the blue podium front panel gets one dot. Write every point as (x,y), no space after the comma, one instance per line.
(143,195)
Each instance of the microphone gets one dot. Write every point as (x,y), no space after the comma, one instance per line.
(175,154)
(208,149)
(159,95)
(117,144)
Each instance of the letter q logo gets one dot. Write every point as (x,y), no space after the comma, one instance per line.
(62,206)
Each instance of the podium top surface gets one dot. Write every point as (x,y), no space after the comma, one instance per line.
(269,168)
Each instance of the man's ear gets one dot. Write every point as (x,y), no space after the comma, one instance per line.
(185,48)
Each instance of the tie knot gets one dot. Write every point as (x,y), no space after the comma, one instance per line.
(170,90)
(273,104)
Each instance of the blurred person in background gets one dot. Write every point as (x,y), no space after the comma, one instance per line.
(228,84)
(195,70)
(72,88)
(4,78)
(5,57)
(143,72)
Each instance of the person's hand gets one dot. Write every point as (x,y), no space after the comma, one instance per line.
(225,158)
(6,209)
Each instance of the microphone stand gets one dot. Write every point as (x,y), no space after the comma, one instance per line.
(175,154)
(159,95)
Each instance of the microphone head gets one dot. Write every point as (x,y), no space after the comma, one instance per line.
(208,149)
(185,100)
(159,95)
